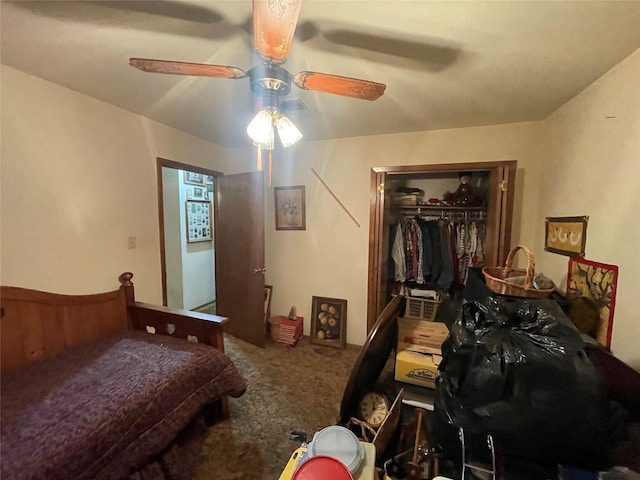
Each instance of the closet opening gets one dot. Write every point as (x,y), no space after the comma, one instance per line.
(430,224)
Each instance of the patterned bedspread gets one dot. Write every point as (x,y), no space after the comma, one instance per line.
(104,409)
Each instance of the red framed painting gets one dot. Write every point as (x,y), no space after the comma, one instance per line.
(596,282)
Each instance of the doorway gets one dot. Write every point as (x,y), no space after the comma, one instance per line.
(498,212)
(231,250)
(187,257)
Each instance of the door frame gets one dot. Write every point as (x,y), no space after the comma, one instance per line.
(160,163)
(505,170)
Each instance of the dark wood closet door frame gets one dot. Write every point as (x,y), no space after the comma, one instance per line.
(163,162)
(500,207)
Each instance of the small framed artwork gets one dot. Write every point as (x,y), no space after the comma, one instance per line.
(198,221)
(290,208)
(595,283)
(198,193)
(193,178)
(566,235)
(268,290)
(329,322)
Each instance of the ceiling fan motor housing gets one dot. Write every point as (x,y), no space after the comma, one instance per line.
(270,79)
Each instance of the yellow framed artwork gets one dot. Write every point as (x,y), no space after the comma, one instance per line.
(595,283)
(566,235)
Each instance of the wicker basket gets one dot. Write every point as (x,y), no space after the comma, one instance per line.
(503,280)
(422,308)
(274,326)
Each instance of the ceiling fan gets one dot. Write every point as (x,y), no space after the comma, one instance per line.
(274,24)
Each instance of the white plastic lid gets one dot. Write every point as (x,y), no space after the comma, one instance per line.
(340,443)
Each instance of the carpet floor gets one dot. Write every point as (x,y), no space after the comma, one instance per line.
(289,388)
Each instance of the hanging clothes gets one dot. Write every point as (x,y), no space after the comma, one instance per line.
(397,253)
(427,249)
(436,252)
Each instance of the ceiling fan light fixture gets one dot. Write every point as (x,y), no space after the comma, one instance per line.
(287,131)
(260,129)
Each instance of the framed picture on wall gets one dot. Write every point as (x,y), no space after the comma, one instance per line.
(566,235)
(290,208)
(193,178)
(595,284)
(198,218)
(199,193)
(329,322)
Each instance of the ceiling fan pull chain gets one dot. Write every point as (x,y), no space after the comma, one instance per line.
(259,159)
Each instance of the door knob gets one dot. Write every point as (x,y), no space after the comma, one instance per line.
(259,270)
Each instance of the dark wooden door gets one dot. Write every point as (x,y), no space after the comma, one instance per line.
(240,255)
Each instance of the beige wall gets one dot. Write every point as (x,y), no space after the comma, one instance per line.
(78,178)
(576,162)
(330,258)
(592,165)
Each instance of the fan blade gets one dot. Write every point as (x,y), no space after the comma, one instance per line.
(274,23)
(185,68)
(349,87)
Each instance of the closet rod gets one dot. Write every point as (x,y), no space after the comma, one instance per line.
(473,215)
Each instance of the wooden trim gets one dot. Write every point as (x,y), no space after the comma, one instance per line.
(445,167)
(492,234)
(187,166)
(160,163)
(507,222)
(163,259)
(376,217)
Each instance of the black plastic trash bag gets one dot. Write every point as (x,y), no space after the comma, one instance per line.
(516,369)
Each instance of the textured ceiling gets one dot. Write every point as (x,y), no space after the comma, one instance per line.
(446,64)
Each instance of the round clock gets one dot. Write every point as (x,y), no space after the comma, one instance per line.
(373,408)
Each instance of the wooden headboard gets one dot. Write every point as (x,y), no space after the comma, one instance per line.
(35,324)
(38,324)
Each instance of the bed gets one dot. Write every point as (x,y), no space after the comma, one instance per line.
(104,387)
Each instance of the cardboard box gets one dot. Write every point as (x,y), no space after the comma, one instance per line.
(421,332)
(406,199)
(418,348)
(417,368)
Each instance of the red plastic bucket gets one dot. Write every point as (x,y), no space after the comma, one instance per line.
(322,468)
